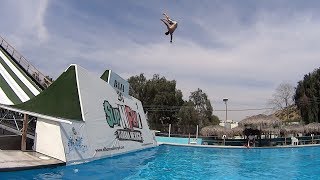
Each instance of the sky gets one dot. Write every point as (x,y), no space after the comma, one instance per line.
(240,50)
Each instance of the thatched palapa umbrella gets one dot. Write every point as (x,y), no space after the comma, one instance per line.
(292,129)
(261,120)
(237,131)
(271,130)
(312,128)
(215,131)
(261,124)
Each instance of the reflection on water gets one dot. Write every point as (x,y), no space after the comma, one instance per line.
(174,162)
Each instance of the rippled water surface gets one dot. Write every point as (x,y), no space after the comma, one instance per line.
(174,162)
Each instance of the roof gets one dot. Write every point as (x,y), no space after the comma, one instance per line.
(77,95)
(60,99)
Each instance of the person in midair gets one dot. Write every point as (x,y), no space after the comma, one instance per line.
(171,25)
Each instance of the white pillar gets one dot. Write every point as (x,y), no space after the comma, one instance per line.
(169,129)
(197,133)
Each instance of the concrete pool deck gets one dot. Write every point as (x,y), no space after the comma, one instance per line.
(15,160)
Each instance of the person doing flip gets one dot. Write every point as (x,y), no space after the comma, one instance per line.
(171,25)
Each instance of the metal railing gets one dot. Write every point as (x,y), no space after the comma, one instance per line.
(24,63)
(13,121)
(241,141)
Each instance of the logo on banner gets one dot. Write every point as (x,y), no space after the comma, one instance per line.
(75,142)
(123,116)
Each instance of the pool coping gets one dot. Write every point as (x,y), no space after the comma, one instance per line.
(237,147)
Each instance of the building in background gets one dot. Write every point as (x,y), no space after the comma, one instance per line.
(229,124)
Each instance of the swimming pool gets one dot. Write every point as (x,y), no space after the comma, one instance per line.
(175,162)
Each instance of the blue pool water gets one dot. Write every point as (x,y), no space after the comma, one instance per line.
(174,162)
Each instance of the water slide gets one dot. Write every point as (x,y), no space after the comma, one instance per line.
(16,84)
(82,117)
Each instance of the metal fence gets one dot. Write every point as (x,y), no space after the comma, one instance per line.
(243,141)
(258,140)
(28,67)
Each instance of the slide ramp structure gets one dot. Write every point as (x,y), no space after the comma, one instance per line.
(19,80)
(81,117)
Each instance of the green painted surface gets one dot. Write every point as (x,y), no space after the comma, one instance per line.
(16,79)
(105,76)
(60,99)
(9,91)
(22,71)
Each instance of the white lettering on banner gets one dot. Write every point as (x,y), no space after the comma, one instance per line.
(124,134)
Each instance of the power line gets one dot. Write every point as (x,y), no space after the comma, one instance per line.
(165,108)
(177,108)
(250,109)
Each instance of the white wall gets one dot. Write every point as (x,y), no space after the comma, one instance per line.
(48,139)
(96,135)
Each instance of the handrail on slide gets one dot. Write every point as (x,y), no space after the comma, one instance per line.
(34,72)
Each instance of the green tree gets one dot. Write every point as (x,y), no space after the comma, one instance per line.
(137,87)
(307,97)
(156,95)
(215,120)
(203,107)
(187,118)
